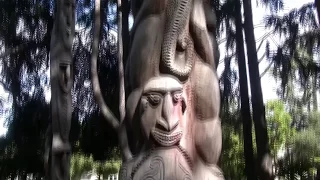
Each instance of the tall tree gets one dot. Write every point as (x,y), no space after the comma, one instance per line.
(229,76)
(61,78)
(296,55)
(120,61)
(122,9)
(263,150)
(317,3)
(106,112)
(125,8)
(245,106)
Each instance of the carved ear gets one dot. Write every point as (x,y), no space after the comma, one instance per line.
(183,105)
(184,102)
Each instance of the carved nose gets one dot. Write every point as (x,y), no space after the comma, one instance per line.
(168,120)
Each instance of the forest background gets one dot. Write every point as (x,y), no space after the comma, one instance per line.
(287,40)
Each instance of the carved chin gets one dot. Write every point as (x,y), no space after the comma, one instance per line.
(166,138)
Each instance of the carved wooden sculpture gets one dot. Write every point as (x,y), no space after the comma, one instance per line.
(172,126)
(61,83)
(155,120)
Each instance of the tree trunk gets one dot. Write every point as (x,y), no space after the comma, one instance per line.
(120,60)
(122,134)
(226,83)
(318,173)
(125,29)
(314,93)
(245,107)
(61,80)
(105,111)
(120,64)
(317,3)
(263,150)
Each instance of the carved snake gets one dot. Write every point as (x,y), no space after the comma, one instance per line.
(175,34)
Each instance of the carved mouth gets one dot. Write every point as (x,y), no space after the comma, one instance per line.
(166,138)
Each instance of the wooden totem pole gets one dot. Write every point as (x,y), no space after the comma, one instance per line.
(171,128)
(61,73)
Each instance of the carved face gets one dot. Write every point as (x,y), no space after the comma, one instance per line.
(66,24)
(162,107)
(68,11)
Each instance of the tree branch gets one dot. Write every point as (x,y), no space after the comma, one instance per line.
(260,45)
(108,115)
(259,60)
(266,70)
(122,133)
(120,63)
(106,112)
(230,56)
(22,47)
(13,50)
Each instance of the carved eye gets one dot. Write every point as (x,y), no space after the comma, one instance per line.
(177,96)
(154,99)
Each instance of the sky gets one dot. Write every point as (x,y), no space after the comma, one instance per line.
(268,84)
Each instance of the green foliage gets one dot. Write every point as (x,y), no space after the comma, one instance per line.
(109,167)
(303,151)
(232,156)
(314,121)
(301,147)
(278,123)
(81,164)
(306,143)
(24,63)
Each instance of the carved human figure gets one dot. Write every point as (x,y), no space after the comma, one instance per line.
(154,114)
(61,73)
(157,119)
(178,39)
(173,50)
(161,106)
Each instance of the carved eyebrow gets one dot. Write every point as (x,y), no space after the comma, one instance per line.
(162,90)
(162,84)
